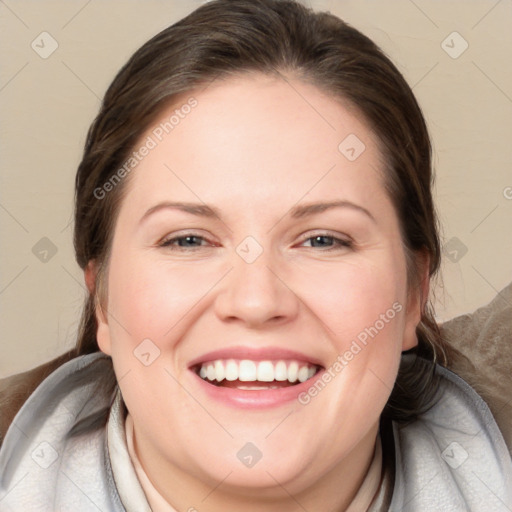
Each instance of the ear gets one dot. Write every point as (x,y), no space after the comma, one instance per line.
(416,300)
(103,332)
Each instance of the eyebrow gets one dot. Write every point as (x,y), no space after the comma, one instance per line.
(300,211)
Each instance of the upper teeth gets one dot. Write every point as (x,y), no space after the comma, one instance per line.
(264,371)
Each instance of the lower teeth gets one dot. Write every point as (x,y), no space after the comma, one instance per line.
(251,385)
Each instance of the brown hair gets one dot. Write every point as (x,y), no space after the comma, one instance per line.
(225,37)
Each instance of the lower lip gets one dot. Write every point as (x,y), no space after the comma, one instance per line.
(255,398)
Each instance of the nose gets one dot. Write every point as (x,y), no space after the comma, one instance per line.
(257,293)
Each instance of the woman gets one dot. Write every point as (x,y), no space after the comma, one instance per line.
(255,223)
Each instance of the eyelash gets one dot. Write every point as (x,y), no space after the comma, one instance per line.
(341,243)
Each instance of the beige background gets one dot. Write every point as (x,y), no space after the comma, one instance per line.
(46,106)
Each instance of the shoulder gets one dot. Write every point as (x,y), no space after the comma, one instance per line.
(15,390)
(454,456)
(484,337)
(55,445)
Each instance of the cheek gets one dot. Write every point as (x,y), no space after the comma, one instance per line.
(151,299)
(350,298)
(152,305)
(363,308)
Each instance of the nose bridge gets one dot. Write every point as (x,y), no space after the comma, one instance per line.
(254,291)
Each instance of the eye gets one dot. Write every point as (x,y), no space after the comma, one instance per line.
(323,240)
(185,241)
(191,241)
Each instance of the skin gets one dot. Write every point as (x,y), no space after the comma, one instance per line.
(254,147)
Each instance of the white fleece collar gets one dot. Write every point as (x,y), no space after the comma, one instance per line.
(125,477)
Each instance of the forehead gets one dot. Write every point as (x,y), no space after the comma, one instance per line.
(256,137)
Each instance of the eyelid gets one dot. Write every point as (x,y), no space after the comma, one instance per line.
(340,242)
(325,232)
(173,236)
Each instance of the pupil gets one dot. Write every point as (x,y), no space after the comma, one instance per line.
(187,239)
(320,237)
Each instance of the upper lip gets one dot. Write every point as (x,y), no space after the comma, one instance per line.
(255,354)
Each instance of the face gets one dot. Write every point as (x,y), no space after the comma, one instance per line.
(252,333)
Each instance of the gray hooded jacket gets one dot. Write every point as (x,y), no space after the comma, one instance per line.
(58,455)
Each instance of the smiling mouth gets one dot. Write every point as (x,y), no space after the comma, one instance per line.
(255,375)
